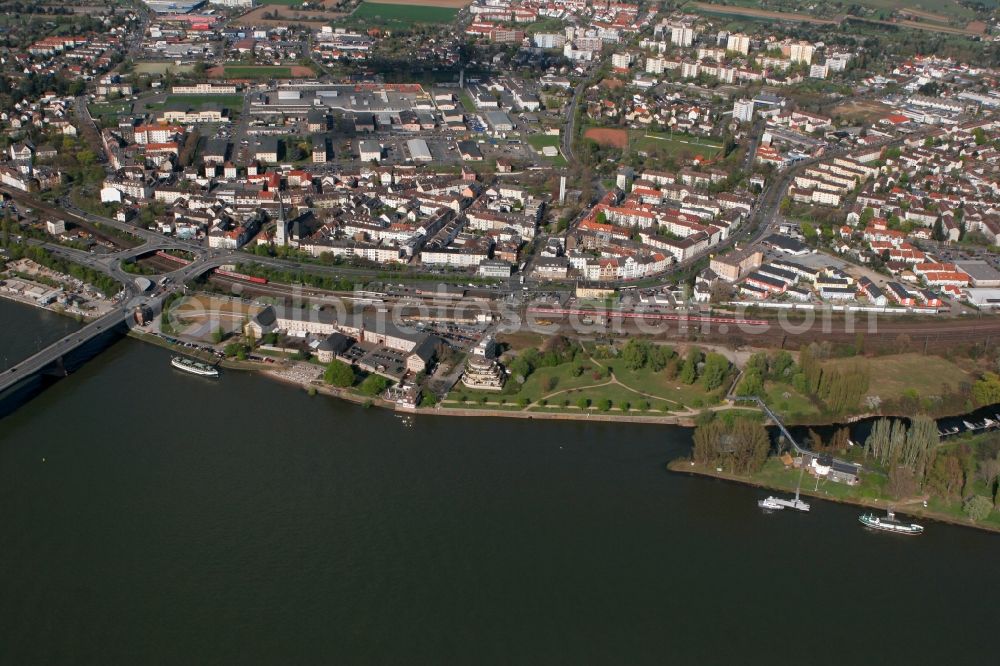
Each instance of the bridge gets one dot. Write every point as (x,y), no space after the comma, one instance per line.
(771,415)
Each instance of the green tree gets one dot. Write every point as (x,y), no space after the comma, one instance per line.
(986,391)
(339,374)
(635,354)
(218,335)
(374,385)
(977,508)
(583,403)
(714,371)
(689,371)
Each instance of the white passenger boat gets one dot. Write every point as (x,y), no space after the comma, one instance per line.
(194,367)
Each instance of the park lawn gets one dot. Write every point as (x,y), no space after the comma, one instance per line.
(788,402)
(665,144)
(403,15)
(645,380)
(257,71)
(891,376)
(563,375)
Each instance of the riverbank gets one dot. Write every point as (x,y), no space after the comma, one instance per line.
(55,308)
(312,383)
(913,507)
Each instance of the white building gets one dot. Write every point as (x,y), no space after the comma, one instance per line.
(621,60)
(738,42)
(369,150)
(681,35)
(801,52)
(743,110)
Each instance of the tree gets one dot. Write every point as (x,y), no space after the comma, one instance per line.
(986,391)
(659,356)
(636,354)
(741,445)
(977,508)
(604,405)
(583,403)
(714,371)
(689,372)
(428,399)
(339,374)
(374,385)
(938,233)
(218,335)
(902,482)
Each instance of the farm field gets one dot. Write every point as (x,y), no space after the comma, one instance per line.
(756,13)
(283,13)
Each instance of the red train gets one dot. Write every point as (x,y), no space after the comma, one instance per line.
(698,319)
(241,276)
(167,255)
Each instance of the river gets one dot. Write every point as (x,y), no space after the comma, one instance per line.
(147,516)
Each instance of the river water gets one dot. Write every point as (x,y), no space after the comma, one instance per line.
(147,516)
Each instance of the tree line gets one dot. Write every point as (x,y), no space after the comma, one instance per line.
(739,445)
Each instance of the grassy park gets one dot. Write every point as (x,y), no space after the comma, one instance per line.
(595,382)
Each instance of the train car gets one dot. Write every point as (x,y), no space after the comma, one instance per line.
(241,276)
(167,255)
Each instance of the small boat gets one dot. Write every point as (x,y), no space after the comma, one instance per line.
(794,503)
(771,504)
(194,367)
(888,523)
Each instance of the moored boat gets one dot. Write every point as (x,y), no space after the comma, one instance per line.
(770,503)
(889,523)
(194,367)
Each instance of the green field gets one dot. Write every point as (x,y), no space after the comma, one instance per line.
(257,71)
(927,375)
(559,384)
(539,141)
(665,144)
(402,15)
(110,108)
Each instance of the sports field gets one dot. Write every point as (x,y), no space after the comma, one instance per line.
(238,71)
(403,15)
(666,144)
